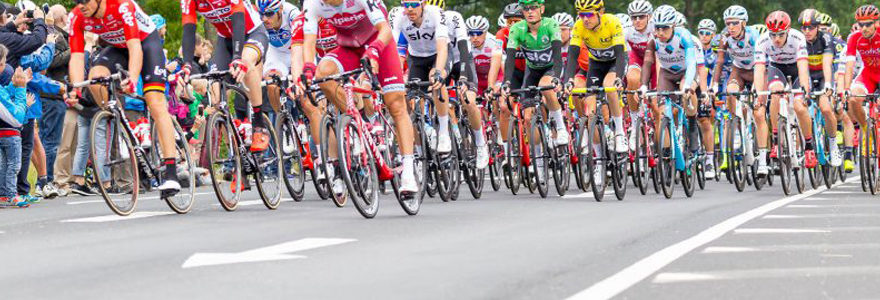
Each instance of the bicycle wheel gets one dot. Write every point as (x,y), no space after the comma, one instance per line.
(495,159)
(224,160)
(448,168)
(666,163)
(475,178)
(389,146)
(560,165)
(829,173)
(700,173)
(114,159)
(759,180)
(800,179)
(182,202)
(688,175)
(585,155)
(412,203)
(619,167)
(514,157)
(735,165)
(870,152)
(358,167)
(326,132)
(784,156)
(539,154)
(598,160)
(269,169)
(291,157)
(641,167)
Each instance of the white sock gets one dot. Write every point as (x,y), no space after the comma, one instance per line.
(443,127)
(408,164)
(762,156)
(557,117)
(618,125)
(504,145)
(479,138)
(833,143)
(710,157)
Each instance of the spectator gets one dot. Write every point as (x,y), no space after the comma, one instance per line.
(67,148)
(19,44)
(54,109)
(12,111)
(85,110)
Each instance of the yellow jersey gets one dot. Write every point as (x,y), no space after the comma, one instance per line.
(599,42)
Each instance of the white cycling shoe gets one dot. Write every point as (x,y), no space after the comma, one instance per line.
(408,183)
(482,157)
(620,143)
(562,137)
(444,143)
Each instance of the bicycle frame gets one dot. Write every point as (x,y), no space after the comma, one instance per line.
(677,124)
(517,110)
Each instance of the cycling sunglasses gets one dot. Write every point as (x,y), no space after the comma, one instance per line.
(639,17)
(586,14)
(662,27)
(778,34)
(705,32)
(411,4)
(476,32)
(808,27)
(732,23)
(82,1)
(866,24)
(531,8)
(268,14)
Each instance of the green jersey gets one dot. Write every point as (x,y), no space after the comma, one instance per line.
(537,50)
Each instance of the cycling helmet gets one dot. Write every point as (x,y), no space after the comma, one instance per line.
(680,20)
(835,30)
(824,19)
(269,6)
(528,2)
(477,23)
(867,12)
(563,19)
(665,15)
(736,12)
(502,22)
(625,20)
(438,3)
(25,5)
(158,20)
(706,24)
(393,13)
(589,5)
(760,29)
(809,17)
(778,21)
(639,7)
(513,10)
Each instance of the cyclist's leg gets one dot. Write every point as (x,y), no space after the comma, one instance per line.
(665,82)
(633,82)
(154,91)
(801,111)
(278,63)
(863,84)
(391,78)
(253,55)
(103,64)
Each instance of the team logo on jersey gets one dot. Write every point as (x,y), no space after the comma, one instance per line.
(545,39)
(675,69)
(669,49)
(88,28)
(740,44)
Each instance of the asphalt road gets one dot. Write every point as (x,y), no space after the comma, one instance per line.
(720,244)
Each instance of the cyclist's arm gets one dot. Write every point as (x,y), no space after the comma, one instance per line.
(556,49)
(804,74)
(620,61)
(135,50)
(494,67)
(238,28)
(850,62)
(690,61)
(296,60)
(719,64)
(848,76)
(77,67)
(509,66)
(704,79)
(828,59)
(442,40)
(188,40)
(310,36)
(648,64)
(571,65)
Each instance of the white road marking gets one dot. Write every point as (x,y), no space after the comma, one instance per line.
(274,252)
(112,218)
(778,230)
(255,202)
(585,195)
(791,248)
(820,199)
(626,278)
(84,202)
(822,216)
(709,250)
(139,198)
(753,274)
(833,205)
(843,192)
(803,206)
(157,197)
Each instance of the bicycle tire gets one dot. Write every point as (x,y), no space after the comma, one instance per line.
(735,165)
(327,131)
(358,167)
(560,165)
(514,157)
(872,168)
(585,156)
(119,166)
(800,179)
(182,202)
(758,180)
(539,154)
(224,160)
(688,175)
(495,160)
(640,165)
(447,168)
(269,167)
(666,163)
(291,145)
(784,157)
(596,130)
(474,177)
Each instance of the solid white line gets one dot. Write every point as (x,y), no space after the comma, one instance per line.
(791,248)
(822,216)
(843,192)
(626,278)
(157,197)
(837,205)
(802,206)
(111,218)
(777,230)
(675,277)
(729,250)
(255,202)
(84,202)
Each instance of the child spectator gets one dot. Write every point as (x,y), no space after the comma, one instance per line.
(12,115)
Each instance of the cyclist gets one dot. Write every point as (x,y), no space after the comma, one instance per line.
(824,20)
(487,55)
(625,21)
(864,44)
(706,30)
(362,31)
(761,29)
(779,55)
(277,16)
(240,48)
(565,22)
(637,39)
(677,59)
(846,122)
(133,42)
(820,56)
(512,14)
(601,35)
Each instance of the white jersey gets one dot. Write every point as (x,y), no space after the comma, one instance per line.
(742,51)
(483,55)
(795,49)
(280,38)
(701,56)
(422,40)
(457,32)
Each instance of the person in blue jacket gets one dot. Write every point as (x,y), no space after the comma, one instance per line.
(12,112)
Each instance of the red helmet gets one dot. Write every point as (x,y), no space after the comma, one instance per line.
(867,12)
(778,21)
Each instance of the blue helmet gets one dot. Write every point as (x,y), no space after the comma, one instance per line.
(269,6)
(158,20)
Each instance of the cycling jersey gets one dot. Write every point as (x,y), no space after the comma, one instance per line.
(123,20)
(219,13)
(280,38)
(741,51)
(420,41)
(678,54)
(638,43)
(599,41)
(355,20)
(795,49)
(483,61)
(817,49)
(701,57)
(502,35)
(868,50)
(457,32)
(537,49)
(840,57)
(326,39)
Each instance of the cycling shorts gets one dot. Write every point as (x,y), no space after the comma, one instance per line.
(257,40)
(599,70)
(868,80)
(533,76)
(390,72)
(787,74)
(668,81)
(420,68)
(153,71)
(741,77)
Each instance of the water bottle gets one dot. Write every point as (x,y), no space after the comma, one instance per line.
(432,136)
(456,131)
(609,137)
(303,132)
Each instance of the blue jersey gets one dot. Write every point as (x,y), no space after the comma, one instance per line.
(678,54)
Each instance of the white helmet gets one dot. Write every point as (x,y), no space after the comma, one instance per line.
(707,25)
(680,20)
(639,7)
(502,22)
(393,13)
(625,20)
(736,12)
(477,23)
(563,19)
(25,5)
(665,15)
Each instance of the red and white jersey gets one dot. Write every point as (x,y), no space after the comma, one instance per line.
(794,49)
(638,41)
(123,20)
(483,58)
(219,13)
(866,49)
(354,20)
(326,35)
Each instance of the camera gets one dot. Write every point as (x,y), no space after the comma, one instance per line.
(29,14)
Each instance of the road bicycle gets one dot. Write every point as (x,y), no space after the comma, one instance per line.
(296,153)
(789,144)
(467,149)
(677,158)
(600,156)
(869,165)
(535,152)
